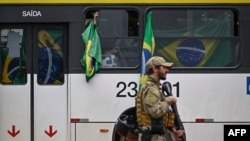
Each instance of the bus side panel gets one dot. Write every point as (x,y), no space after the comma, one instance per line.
(221,97)
(15,112)
(104,97)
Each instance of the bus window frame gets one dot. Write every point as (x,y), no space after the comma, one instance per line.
(137,37)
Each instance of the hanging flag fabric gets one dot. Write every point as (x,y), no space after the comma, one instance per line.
(199,51)
(148,47)
(92,57)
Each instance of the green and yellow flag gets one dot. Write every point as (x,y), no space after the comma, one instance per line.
(175,51)
(92,57)
(14,68)
(148,47)
(206,49)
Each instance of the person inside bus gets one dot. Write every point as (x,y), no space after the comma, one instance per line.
(107,54)
(154,116)
(115,36)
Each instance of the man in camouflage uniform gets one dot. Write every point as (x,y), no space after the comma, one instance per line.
(154,116)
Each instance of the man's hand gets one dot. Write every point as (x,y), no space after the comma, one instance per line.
(171,100)
(178,133)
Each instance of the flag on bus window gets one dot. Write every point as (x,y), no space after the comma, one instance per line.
(199,51)
(92,57)
(148,47)
(21,75)
(13,58)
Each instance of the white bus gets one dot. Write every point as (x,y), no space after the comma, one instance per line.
(44,95)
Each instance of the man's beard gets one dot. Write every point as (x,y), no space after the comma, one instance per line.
(162,76)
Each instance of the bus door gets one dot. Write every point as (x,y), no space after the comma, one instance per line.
(33,89)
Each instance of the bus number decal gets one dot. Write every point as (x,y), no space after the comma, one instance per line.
(125,89)
(177,85)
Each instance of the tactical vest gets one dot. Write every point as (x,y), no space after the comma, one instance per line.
(143,118)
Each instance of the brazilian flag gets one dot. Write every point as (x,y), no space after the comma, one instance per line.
(14,68)
(148,46)
(92,57)
(206,49)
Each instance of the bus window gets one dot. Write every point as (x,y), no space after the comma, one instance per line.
(206,38)
(118,32)
(13,59)
(50,56)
